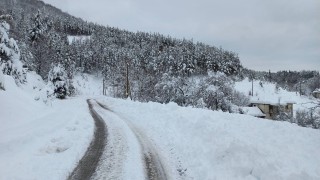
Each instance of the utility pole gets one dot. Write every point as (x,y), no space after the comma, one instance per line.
(252,87)
(251,76)
(300,88)
(318,82)
(127,81)
(103,86)
(269,75)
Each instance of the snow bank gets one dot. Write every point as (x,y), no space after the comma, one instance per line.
(38,141)
(203,144)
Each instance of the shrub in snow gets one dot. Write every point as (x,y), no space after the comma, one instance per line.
(46,94)
(240,99)
(10,63)
(283,116)
(170,89)
(70,87)
(57,78)
(308,118)
(200,103)
(216,93)
(1,81)
(316,122)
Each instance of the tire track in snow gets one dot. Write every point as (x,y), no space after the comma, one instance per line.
(154,167)
(113,159)
(89,162)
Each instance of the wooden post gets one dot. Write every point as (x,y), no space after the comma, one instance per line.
(127,81)
(252,88)
(104,87)
(300,88)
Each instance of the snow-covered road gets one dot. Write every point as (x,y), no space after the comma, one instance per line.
(154,168)
(118,150)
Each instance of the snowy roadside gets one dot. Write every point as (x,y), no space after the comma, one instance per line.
(39,141)
(203,144)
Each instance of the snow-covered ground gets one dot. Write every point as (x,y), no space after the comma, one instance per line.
(37,140)
(205,144)
(45,141)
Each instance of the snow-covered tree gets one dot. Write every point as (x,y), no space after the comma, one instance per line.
(10,63)
(38,27)
(57,78)
(170,89)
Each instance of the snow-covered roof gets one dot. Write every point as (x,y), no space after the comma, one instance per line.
(272,102)
(253,111)
(316,91)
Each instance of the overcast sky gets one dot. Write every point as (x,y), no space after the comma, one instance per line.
(267,34)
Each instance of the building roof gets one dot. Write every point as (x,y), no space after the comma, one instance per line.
(316,90)
(272,103)
(253,111)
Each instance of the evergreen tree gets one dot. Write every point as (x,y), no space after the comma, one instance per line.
(10,63)
(39,44)
(57,78)
(37,29)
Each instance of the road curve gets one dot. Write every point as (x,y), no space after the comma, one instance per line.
(89,162)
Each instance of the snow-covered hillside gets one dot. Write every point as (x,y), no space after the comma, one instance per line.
(45,141)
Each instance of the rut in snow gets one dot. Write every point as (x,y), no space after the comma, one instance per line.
(89,162)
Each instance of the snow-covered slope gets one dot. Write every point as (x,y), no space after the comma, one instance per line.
(87,85)
(205,144)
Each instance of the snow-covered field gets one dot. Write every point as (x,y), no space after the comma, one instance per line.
(45,141)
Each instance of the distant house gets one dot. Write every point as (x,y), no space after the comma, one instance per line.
(316,93)
(272,110)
